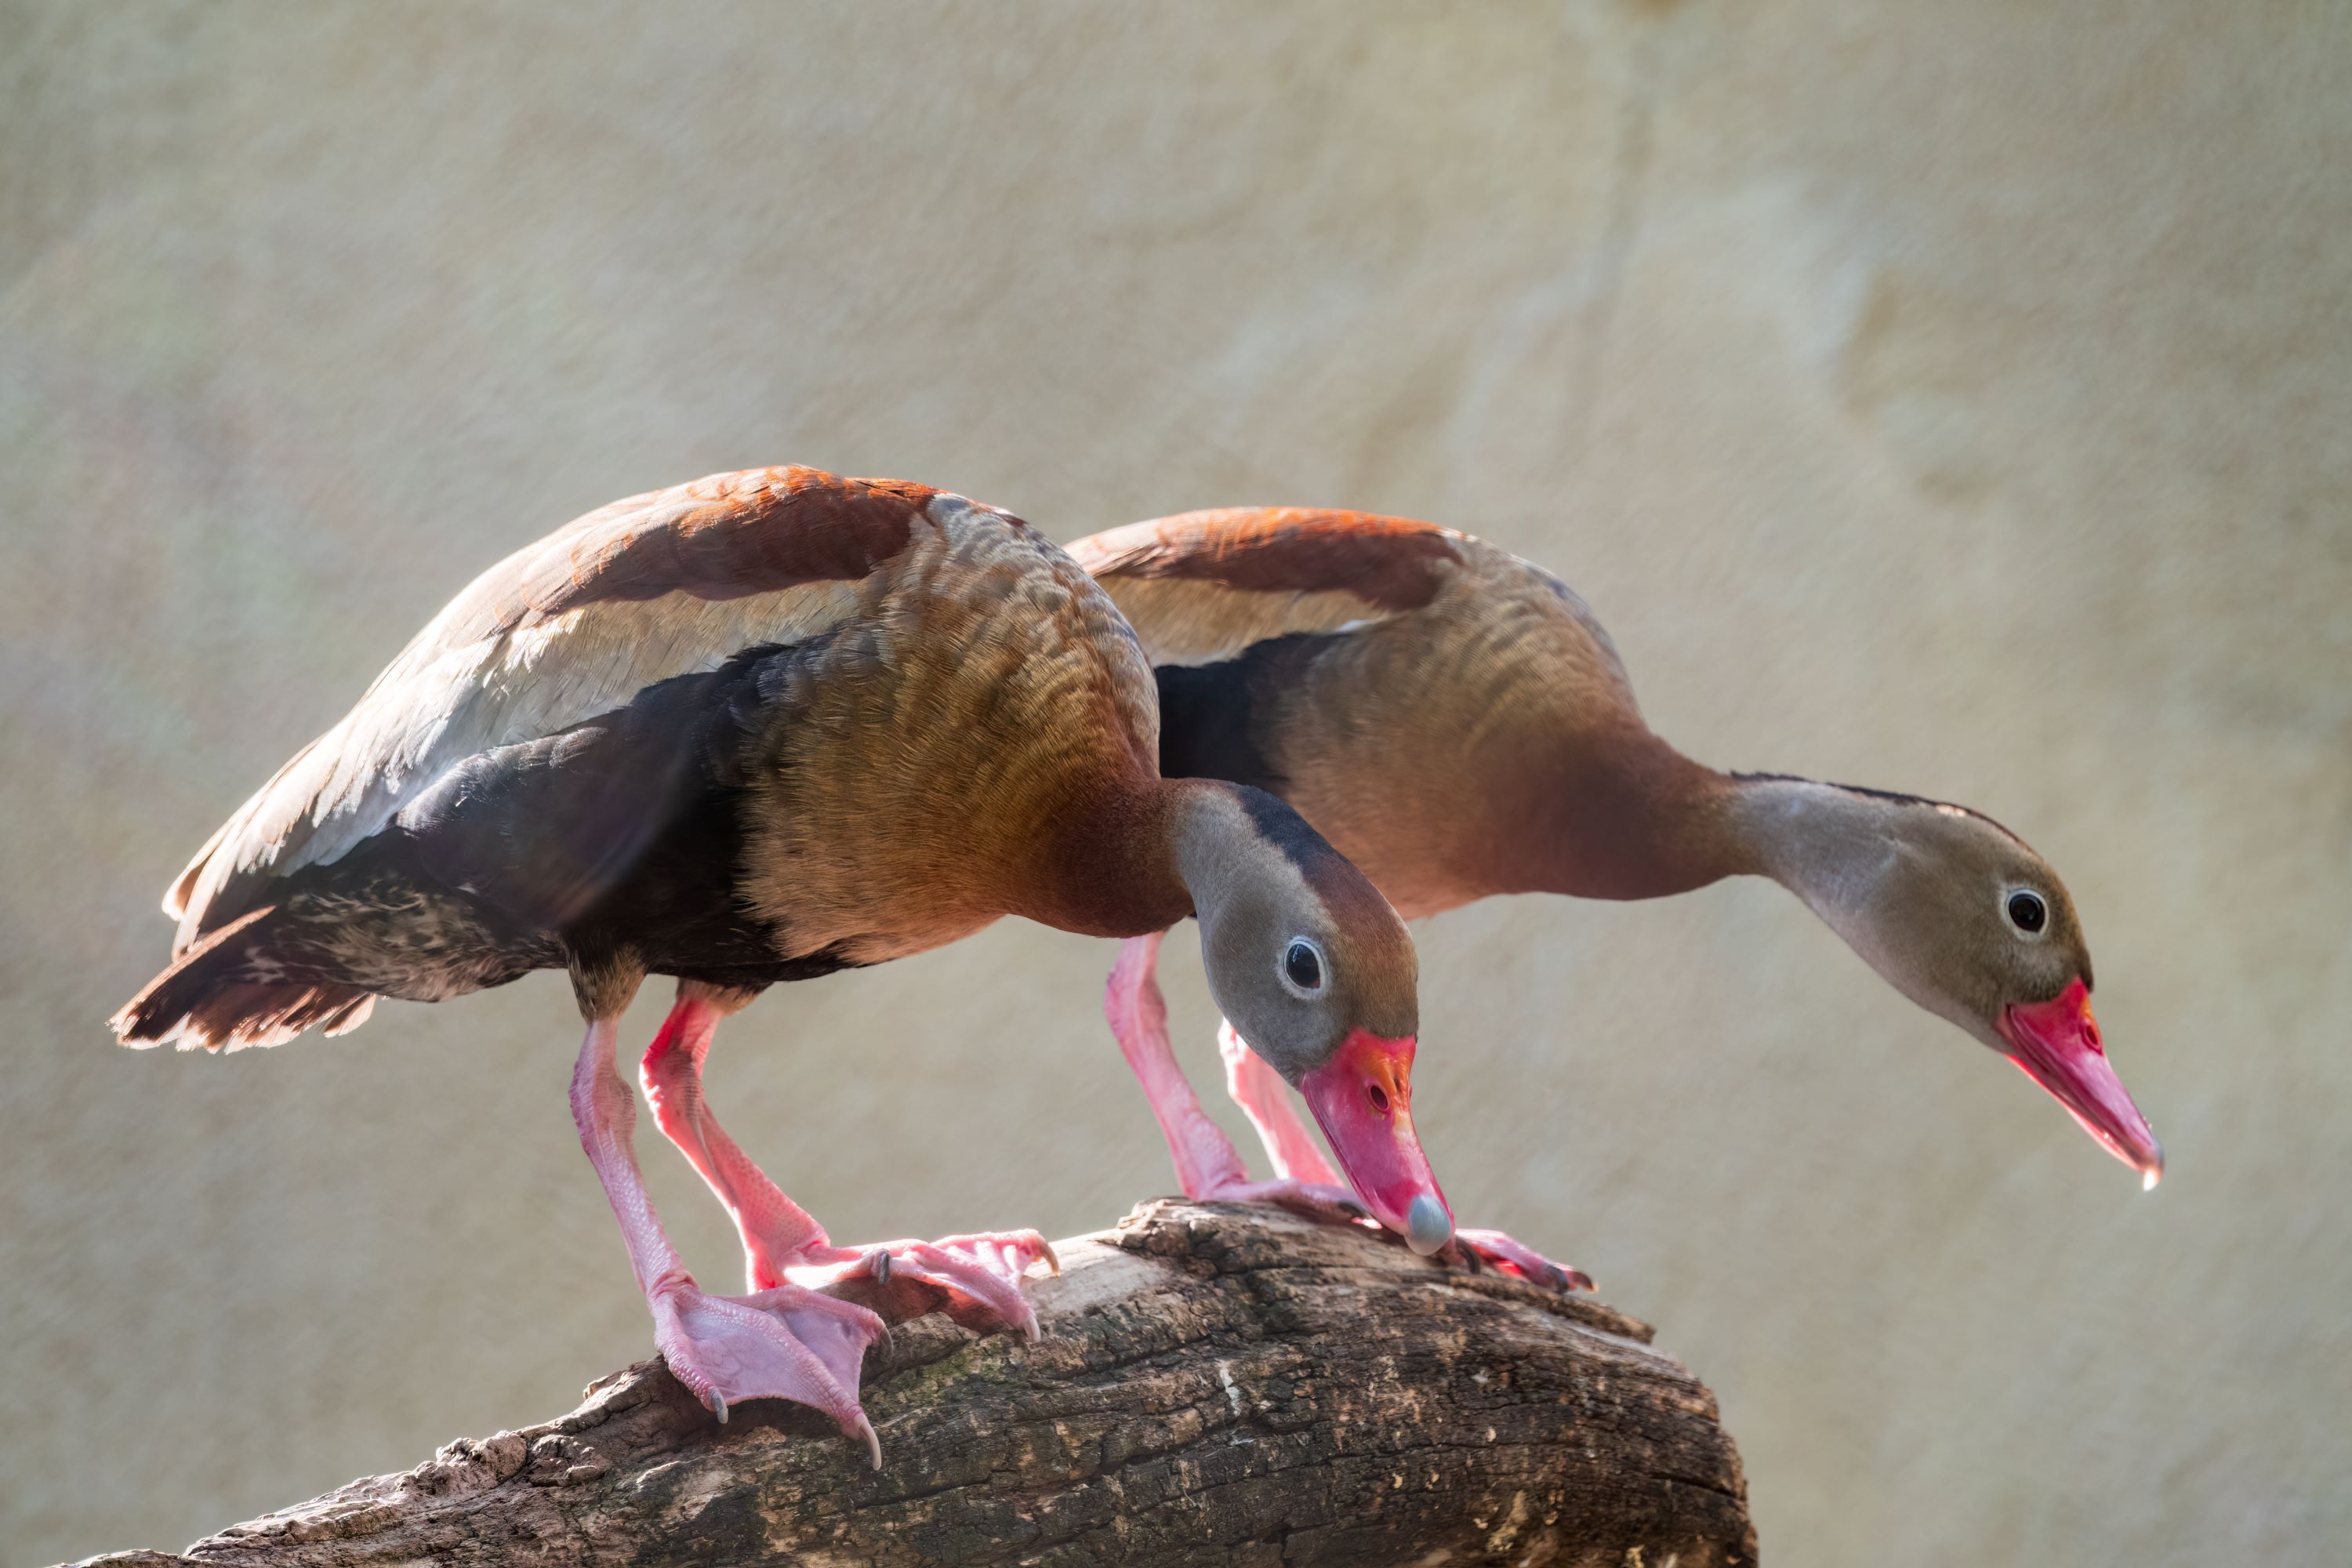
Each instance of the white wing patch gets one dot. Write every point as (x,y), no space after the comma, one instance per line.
(1182,620)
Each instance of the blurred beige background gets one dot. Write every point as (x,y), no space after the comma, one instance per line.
(1955,398)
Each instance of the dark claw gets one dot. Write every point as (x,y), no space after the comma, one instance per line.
(718,1403)
(880,1267)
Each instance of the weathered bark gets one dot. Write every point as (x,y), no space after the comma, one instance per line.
(1215,1385)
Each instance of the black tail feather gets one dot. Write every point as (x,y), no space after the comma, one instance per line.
(220,994)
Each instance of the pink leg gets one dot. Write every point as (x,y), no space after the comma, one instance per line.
(785,1343)
(777,1232)
(782,1245)
(1206,1165)
(1259,1091)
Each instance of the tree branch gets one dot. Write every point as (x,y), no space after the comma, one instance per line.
(1216,1384)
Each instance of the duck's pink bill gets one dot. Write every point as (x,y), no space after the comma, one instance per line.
(2056,1044)
(1362,1097)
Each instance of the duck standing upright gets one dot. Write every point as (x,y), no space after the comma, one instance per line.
(750,729)
(1458,725)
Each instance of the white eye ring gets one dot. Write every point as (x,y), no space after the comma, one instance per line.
(1301,962)
(2027,910)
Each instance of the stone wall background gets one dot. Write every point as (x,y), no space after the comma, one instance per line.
(1950,397)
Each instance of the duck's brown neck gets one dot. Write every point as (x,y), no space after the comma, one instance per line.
(1637,819)
(1113,864)
(1631,818)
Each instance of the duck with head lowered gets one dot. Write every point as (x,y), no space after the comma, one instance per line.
(1456,722)
(752,730)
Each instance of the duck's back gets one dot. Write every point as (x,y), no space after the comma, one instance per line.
(1434,705)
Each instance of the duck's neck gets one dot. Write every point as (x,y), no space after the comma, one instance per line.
(1829,845)
(1637,819)
(1123,860)
(1628,818)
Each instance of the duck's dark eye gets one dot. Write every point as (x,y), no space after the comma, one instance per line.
(2027,912)
(1303,966)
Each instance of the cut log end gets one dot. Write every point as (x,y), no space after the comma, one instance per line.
(1215,1385)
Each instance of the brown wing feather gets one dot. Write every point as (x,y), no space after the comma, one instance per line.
(1203,585)
(659,585)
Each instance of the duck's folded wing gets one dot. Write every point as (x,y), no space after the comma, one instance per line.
(1203,585)
(667,584)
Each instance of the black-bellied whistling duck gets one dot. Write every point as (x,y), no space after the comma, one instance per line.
(1311,653)
(755,728)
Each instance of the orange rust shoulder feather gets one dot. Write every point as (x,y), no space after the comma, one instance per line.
(1202,586)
